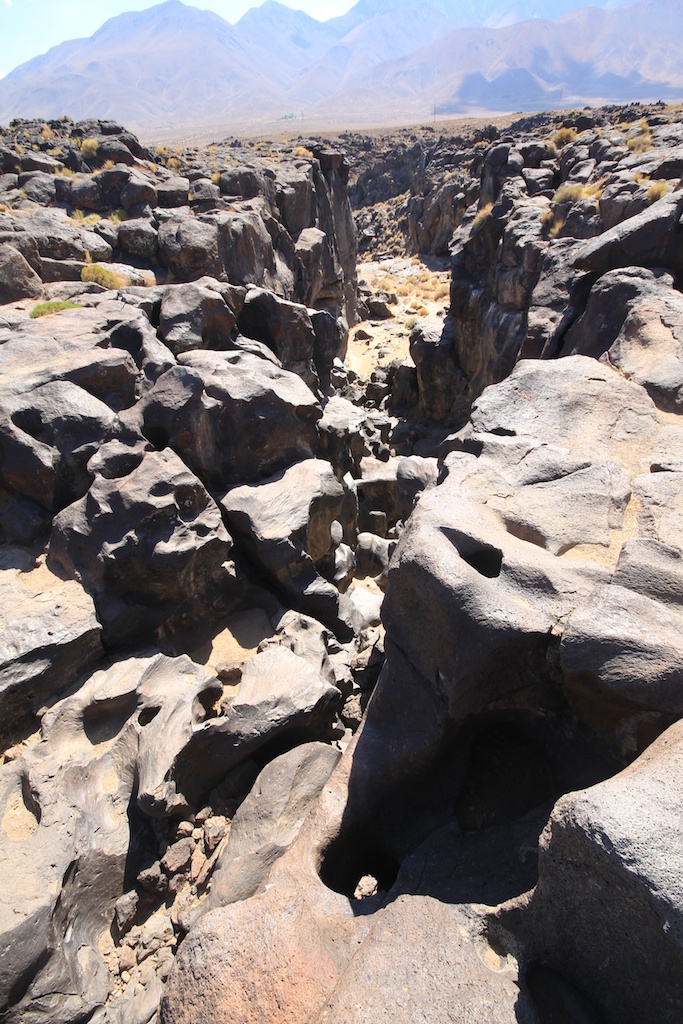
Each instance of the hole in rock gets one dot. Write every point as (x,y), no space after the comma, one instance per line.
(30,800)
(465,829)
(31,422)
(556,1000)
(483,558)
(158,436)
(147,715)
(104,720)
(507,776)
(351,860)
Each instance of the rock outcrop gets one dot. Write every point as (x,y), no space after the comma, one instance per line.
(310,713)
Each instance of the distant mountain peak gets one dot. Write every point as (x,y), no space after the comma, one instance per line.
(174,65)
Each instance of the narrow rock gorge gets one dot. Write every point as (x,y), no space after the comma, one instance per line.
(341,553)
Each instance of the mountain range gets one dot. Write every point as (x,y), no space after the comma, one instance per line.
(384,62)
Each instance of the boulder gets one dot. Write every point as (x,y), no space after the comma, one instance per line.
(282,701)
(268,821)
(632,319)
(65,836)
(202,314)
(440,380)
(158,514)
(173,192)
(607,910)
(17,278)
(49,637)
(285,523)
(189,247)
(285,327)
(621,655)
(47,439)
(139,239)
(231,416)
(650,239)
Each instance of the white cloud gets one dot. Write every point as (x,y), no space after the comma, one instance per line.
(8,3)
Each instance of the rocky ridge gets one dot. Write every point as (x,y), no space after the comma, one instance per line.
(227,791)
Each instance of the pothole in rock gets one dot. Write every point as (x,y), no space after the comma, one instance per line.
(467,831)
(358,868)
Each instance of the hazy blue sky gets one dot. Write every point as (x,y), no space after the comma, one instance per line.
(30,27)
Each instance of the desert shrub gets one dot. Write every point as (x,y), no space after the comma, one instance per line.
(89,148)
(657,190)
(46,133)
(548,218)
(43,308)
(302,152)
(216,177)
(117,216)
(103,276)
(642,142)
(558,224)
(4,207)
(482,216)
(568,194)
(174,163)
(563,137)
(410,322)
(91,218)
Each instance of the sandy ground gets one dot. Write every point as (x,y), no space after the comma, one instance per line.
(421,288)
(278,131)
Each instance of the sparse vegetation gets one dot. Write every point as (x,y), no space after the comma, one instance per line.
(216,177)
(657,190)
(482,216)
(564,137)
(89,148)
(43,308)
(569,194)
(90,218)
(98,274)
(118,216)
(642,142)
(46,133)
(301,151)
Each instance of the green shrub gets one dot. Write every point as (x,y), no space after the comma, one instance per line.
(43,308)
(103,276)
